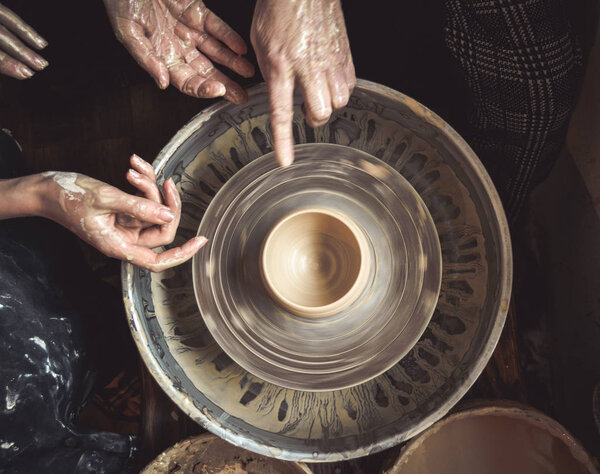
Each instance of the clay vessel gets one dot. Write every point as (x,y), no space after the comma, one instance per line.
(496,437)
(315,262)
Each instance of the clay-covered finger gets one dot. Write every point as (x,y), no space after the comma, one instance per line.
(145,185)
(157,262)
(221,54)
(231,90)
(200,19)
(281,105)
(13,68)
(338,89)
(142,166)
(12,45)
(141,208)
(223,32)
(200,78)
(189,81)
(14,23)
(317,100)
(139,46)
(172,200)
(164,234)
(350,75)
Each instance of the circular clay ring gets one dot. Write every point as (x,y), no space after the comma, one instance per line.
(315,262)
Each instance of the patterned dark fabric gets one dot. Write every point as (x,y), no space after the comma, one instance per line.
(523,67)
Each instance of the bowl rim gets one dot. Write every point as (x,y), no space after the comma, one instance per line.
(501,408)
(505,271)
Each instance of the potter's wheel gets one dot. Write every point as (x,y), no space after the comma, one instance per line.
(374,246)
(250,411)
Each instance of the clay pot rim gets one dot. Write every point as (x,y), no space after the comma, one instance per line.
(503,408)
(345,300)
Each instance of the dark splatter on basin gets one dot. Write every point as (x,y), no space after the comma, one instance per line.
(409,397)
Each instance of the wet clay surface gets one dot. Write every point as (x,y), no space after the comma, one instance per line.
(343,348)
(208,454)
(388,409)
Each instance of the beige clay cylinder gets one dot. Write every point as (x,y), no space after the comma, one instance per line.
(315,262)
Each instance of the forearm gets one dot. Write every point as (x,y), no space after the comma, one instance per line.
(25,196)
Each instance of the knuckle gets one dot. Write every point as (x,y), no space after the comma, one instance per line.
(277,59)
(320,114)
(167,236)
(201,37)
(341,100)
(105,192)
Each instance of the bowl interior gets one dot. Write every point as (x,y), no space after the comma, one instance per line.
(311,260)
(495,439)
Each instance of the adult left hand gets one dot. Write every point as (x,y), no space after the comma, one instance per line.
(118,224)
(176,42)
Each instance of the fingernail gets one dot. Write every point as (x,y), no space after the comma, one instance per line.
(166,214)
(136,158)
(41,63)
(25,71)
(204,91)
(202,240)
(134,174)
(163,82)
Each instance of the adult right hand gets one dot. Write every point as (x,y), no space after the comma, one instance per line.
(17,59)
(302,43)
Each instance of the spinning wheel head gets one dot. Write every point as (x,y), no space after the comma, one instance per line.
(321,275)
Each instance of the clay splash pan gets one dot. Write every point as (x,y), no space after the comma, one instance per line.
(228,400)
(319,276)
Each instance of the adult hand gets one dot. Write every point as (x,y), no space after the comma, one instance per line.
(303,43)
(16,58)
(175,41)
(118,224)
